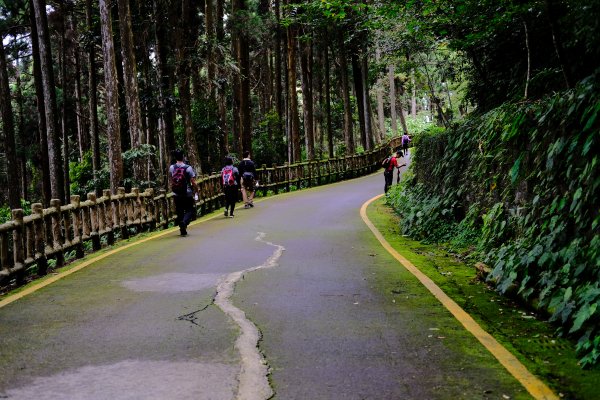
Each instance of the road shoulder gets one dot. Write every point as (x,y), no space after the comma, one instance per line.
(523,333)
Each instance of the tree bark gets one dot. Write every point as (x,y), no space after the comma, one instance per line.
(41,109)
(345,94)
(184,73)
(306,66)
(67,103)
(93,98)
(357,76)
(413,98)
(278,98)
(242,56)
(402,114)
(391,76)
(294,119)
(328,101)
(132,99)
(8,128)
(367,101)
(166,129)
(82,131)
(380,103)
(47,75)
(111,101)
(21,137)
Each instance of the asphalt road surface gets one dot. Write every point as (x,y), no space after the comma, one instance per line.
(180,318)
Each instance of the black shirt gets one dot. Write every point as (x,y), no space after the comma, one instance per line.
(247,166)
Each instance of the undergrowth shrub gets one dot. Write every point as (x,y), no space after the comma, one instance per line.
(518,187)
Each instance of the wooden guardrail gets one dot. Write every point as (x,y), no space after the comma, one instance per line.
(27,243)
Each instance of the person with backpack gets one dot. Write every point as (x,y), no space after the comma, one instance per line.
(405,142)
(247,172)
(229,180)
(184,188)
(388,164)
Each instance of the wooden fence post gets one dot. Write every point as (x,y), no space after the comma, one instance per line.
(77,226)
(164,205)
(94,234)
(40,238)
(150,209)
(123,213)
(109,215)
(57,236)
(18,253)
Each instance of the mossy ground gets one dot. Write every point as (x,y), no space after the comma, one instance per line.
(525,334)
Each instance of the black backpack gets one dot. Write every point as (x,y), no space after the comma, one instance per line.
(179,180)
(386,162)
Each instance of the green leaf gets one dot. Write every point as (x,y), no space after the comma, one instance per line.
(568,294)
(516,168)
(583,315)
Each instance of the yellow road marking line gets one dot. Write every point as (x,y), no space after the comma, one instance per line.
(50,280)
(534,386)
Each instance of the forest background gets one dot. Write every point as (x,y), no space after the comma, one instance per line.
(501,98)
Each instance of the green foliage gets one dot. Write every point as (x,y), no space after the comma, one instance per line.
(81,176)
(143,153)
(527,175)
(6,212)
(268,146)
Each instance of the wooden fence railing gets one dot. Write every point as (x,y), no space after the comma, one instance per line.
(52,233)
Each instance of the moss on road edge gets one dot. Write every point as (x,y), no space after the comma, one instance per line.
(532,340)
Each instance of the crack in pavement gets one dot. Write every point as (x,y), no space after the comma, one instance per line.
(253,378)
(191,317)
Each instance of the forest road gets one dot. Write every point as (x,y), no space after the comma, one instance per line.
(179,318)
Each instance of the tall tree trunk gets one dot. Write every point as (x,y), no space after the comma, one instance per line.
(21,155)
(278,67)
(306,65)
(221,87)
(402,114)
(380,103)
(345,94)
(54,156)
(209,15)
(413,97)
(166,129)
(111,102)
(132,99)
(41,109)
(82,132)
(328,101)
(242,56)
(8,128)
(67,117)
(367,101)
(392,79)
(93,97)
(357,76)
(184,73)
(294,119)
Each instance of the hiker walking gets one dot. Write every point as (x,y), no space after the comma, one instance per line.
(389,164)
(405,142)
(247,172)
(229,179)
(184,187)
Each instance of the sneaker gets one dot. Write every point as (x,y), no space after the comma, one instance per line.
(251,205)
(182,229)
(231,216)
(226,214)
(247,206)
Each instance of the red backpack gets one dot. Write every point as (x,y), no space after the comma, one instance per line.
(227,176)
(179,179)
